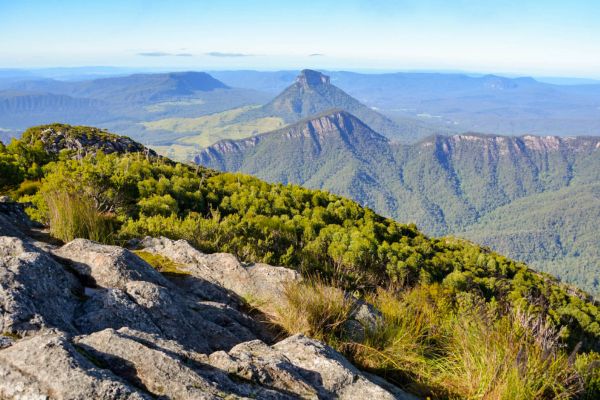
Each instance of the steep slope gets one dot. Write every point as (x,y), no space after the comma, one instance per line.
(312,93)
(334,150)
(443,184)
(396,302)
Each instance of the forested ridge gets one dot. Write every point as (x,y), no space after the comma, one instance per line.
(461,184)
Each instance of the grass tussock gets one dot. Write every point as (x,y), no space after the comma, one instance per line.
(440,347)
(72,216)
(313,309)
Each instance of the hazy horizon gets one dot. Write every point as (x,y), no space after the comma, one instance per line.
(524,38)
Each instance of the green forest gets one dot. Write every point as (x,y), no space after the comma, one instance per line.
(527,335)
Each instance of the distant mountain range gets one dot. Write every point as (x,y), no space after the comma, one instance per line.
(531,197)
(420,103)
(311,93)
(460,102)
(138,88)
(394,142)
(119,102)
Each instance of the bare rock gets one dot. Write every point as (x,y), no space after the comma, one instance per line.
(164,369)
(108,266)
(257,362)
(36,293)
(304,367)
(258,280)
(13,220)
(48,366)
(334,373)
(112,308)
(143,299)
(103,324)
(363,318)
(203,327)
(155,370)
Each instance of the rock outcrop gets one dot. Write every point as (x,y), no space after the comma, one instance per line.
(83,140)
(90,321)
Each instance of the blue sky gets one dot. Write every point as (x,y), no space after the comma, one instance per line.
(549,37)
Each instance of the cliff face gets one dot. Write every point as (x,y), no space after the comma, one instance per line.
(86,320)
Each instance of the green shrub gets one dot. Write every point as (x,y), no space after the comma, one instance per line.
(588,366)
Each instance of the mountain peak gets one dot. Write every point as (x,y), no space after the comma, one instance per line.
(311,78)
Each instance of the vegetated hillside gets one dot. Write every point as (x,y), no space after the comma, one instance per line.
(334,150)
(438,302)
(460,102)
(443,184)
(556,231)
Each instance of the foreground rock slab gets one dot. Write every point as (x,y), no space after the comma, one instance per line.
(90,321)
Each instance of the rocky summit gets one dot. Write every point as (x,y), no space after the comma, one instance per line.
(310,78)
(89,321)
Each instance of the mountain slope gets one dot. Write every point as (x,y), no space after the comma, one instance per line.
(395,301)
(555,231)
(334,150)
(312,93)
(443,184)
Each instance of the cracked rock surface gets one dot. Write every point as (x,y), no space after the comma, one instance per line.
(90,321)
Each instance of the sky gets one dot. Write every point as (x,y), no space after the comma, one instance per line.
(543,37)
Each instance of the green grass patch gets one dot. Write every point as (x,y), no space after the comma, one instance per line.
(208,129)
(161,263)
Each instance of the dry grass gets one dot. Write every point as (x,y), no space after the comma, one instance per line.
(313,309)
(72,216)
(425,345)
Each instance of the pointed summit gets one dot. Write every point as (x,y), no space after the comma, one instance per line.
(313,93)
(309,78)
